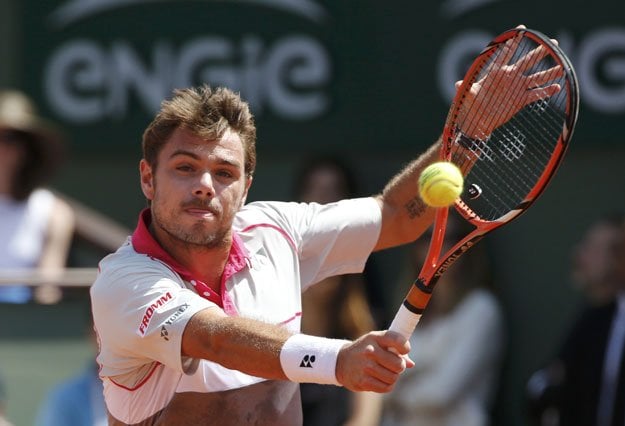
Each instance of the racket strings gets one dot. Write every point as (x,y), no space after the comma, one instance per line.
(507,175)
(501,55)
(461,113)
(515,162)
(506,168)
(473,113)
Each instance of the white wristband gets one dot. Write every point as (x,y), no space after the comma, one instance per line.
(311,359)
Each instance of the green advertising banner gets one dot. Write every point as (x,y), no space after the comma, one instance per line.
(360,74)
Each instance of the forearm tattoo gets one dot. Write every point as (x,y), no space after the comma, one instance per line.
(415,207)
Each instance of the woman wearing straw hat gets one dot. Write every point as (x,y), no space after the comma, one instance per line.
(36,227)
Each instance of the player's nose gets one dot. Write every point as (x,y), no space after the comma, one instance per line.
(204,185)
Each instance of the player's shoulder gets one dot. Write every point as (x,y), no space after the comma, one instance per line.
(126,268)
(126,259)
(275,212)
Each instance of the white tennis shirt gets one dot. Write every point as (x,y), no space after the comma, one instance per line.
(142,298)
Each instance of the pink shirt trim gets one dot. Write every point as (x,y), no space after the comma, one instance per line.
(277,228)
(143,242)
(141,383)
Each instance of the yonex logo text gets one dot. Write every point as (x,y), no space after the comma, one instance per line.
(176,314)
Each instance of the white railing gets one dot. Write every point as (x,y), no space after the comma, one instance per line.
(66,277)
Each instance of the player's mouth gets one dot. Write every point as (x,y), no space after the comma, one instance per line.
(198,209)
(201,212)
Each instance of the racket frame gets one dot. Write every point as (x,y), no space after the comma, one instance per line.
(435,265)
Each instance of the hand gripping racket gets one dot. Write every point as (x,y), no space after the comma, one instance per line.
(507,129)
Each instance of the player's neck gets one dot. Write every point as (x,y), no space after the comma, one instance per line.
(208,269)
(205,263)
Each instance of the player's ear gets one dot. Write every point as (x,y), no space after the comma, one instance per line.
(147,179)
(248,183)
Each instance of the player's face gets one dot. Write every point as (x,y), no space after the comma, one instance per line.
(196,188)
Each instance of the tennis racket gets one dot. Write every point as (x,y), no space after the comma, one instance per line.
(507,130)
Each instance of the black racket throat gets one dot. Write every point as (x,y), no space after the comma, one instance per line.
(426,282)
(426,290)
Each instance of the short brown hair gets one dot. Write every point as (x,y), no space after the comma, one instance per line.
(207,113)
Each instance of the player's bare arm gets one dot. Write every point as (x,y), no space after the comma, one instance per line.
(255,348)
(404,215)
(235,342)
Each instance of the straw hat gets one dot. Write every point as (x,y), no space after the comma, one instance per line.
(18,112)
(43,140)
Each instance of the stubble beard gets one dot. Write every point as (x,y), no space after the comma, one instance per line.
(196,236)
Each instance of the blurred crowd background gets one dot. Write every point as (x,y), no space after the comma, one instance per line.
(366,81)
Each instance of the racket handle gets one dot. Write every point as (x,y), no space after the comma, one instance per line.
(404,322)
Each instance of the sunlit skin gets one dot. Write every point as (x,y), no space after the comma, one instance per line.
(195,190)
(486,96)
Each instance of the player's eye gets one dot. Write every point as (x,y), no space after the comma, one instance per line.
(225,174)
(184,168)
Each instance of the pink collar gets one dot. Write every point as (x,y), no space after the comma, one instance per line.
(143,242)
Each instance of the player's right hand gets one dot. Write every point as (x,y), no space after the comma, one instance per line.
(373,362)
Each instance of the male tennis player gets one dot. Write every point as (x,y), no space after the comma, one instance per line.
(198,313)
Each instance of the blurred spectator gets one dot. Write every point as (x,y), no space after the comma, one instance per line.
(79,400)
(457,347)
(3,397)
(325,179)
(37,227)
(592,258)
(336,307)
(585,384)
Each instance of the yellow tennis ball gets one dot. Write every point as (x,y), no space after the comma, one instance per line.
(440,184)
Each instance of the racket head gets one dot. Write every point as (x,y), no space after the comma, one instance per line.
(507,129)
(516,152)
(513,150)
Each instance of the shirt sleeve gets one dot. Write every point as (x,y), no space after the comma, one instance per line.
(140,311)
(331,239)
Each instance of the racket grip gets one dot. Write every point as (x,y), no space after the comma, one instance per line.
(404,322)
